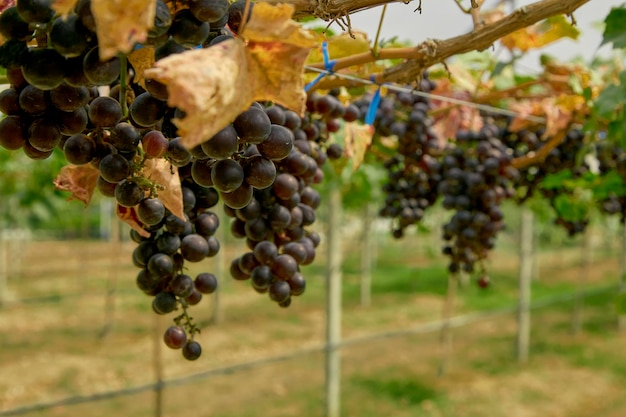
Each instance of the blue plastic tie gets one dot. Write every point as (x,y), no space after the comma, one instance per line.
(328,66)
(370,116)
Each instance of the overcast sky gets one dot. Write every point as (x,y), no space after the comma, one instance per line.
(441,19)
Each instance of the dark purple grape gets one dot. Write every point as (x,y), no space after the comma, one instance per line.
(259,172)
(151,211)
(222,145)
(206,283)
(72,123)
(164,302)
(10,101)
(236,272)
(284,266)
(124,137)
(114,168)
(127,192)
(105,112)
(12,26)
(182,285)
(227,175)
(253,126)
(175,337)
(238,198)
(192,350)
(12,133)
(69,98)
(188,31)
(265,252)
(100,72)
(279,291)
(206,224)
(168,243)
(35,11)
(278,144)
(161,265)
(79,149)
(194,298)
(68,36)
(194,247)
(297,284)
(154,144)
(146,110)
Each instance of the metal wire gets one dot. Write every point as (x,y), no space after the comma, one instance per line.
(446,99)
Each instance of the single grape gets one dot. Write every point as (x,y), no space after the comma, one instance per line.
(253,126)
(227,175)
(164,302)
(206,283)
(128,193)
(175,337)
(12,134)
(12,26)
(161,265)
(150,211)
(279,291)
(44,135)
(79,149)
(222,145)
(155,144)
(278,144)
(182,285)
(146,110)
(68,36)
(259,172)
(194,247)
(35,11)
(68,98)
(100,72)
(188,31)
(192,350)
(105,112)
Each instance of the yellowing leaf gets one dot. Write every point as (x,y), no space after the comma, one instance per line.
(166,175)
(214,85)
(341,46)
(141,59)
(121,23)
(210,85)
(541,34)
(64,7)
(129,216)
(358,140)
(275,73)
(80,180)
(273,23)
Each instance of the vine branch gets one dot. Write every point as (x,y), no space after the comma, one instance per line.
(541,153)
(430,51)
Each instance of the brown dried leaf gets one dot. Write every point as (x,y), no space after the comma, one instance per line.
(141,59)
(358,140)
(210,85)
(273,23)
(166,175)
(523,109)
(122,23)
(275,73)
(64,7)
(129,216)
(80,180)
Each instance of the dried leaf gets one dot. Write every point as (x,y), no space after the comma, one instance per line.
(64,7)
(275,73)
(80,180)
(458,118)
(541,34)
(358,140)
(341,46)
(166,175)
(559,112)
(129,216)
(523,109)
(214,85)
(210,85)
(273,23)
(122,23)
(141,59)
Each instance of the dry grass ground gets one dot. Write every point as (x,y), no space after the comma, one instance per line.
(54,347)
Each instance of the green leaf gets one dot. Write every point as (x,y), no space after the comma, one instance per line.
(614,31)
(610,184)
(556,181)
(609,100)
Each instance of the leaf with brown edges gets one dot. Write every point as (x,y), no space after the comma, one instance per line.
(141,59)
(129,216)
(165,174)
(122,23)
(80,180)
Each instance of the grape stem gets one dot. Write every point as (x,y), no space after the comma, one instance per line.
(539,155)
(187,320)
(380,26)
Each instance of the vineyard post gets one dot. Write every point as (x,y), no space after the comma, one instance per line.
(115,242)
(622,279)
(577,313)
(367,254)
(157,364)
(445,334)
(333,303)
(525,280)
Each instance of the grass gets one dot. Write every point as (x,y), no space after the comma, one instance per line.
(52,349)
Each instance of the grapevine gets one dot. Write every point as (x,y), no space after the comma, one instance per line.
(202,102)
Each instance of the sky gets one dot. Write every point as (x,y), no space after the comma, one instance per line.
(441,19)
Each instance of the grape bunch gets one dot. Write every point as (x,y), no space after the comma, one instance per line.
(280,166)
(261,166)
(414,172)
(564,156)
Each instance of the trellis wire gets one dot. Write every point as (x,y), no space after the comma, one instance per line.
(451,100)
(429,327)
